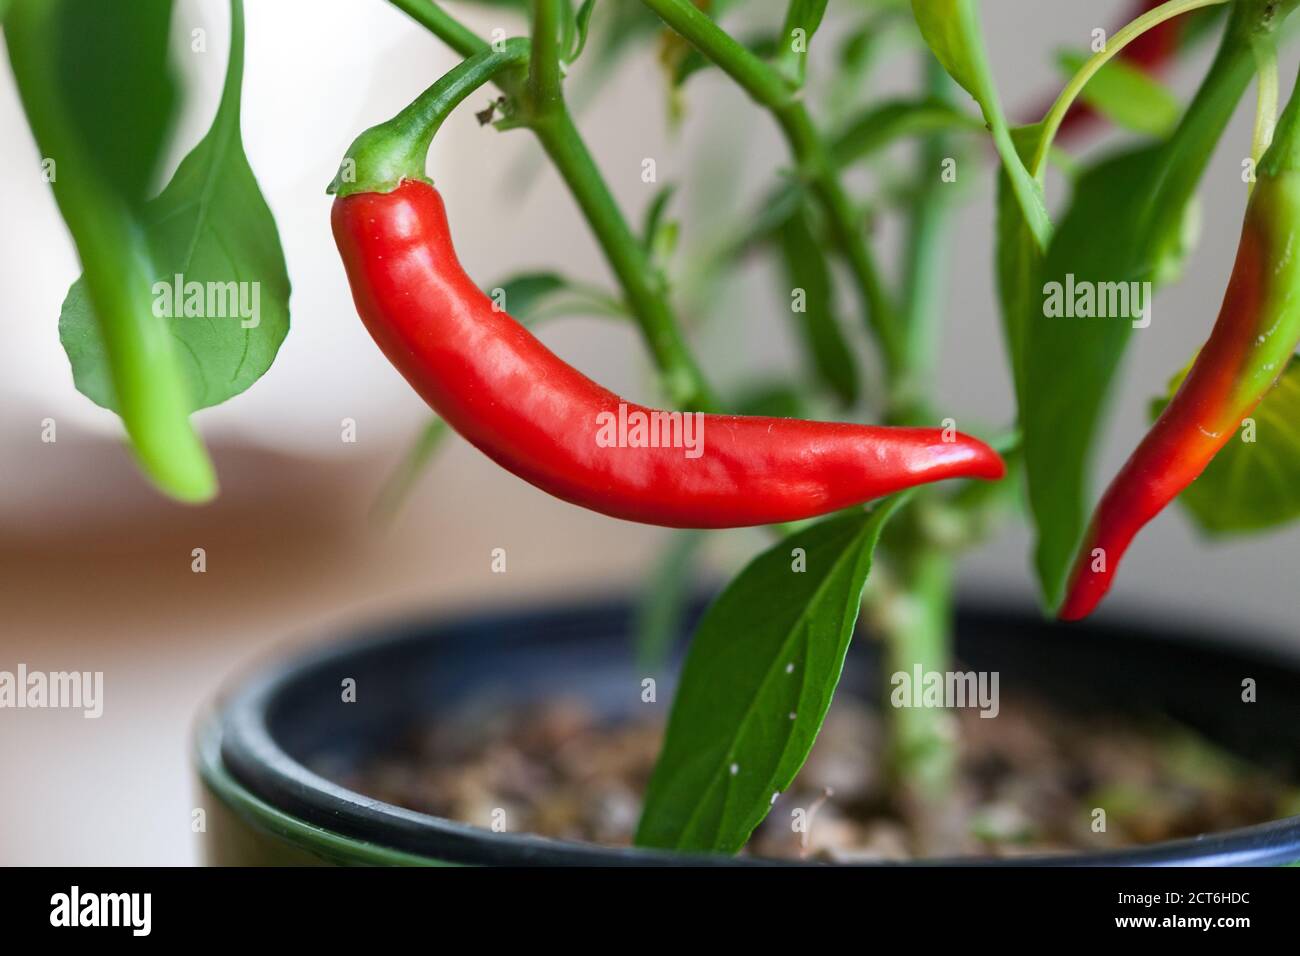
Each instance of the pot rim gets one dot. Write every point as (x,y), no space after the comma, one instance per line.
(239,758)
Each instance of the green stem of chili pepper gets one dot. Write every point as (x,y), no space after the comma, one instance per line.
(1130,32)
(384,155)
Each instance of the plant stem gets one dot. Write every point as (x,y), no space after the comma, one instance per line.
(1266,101)
(1122,38)
(385,155)
(926,261)
(544,94)
(769,89)
(642,285)
(546,114)
(922,752)
(442,25)
(921,758)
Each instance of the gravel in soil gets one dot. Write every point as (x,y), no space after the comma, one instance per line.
(1030,781)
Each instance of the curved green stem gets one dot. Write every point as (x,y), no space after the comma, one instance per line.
(1266,102)
(442,25)
(1130,32)
(770,90)
(384,155)
(763,83)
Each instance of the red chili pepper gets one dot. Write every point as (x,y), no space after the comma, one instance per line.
(541,419)
(1256,333)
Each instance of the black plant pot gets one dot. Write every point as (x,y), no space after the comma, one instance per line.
(266,806)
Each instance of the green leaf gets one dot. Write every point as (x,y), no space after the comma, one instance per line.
(773,399)
(1127,222)
(658,234)
(532,296)
(886,123)
(520,295)
(655,213)
(115,103)
(951,29)
(1125,95)
(221,281)
(659,612)
(582,24)
(1251,485)
(864,48)
(1019,261)
(802,19)
(806,269)
(567,28)
(874,130)
(757,683)
(97,90)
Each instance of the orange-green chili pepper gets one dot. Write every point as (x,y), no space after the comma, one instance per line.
(1255,336)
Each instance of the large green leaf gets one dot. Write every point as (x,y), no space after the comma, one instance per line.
(222,284)
(1018,259)
(97,89)
(1127,222)
(756,685)
(951,30)
(1253,483)
(119,102)
(808,273)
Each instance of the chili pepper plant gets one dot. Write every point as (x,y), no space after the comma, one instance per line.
(866,486)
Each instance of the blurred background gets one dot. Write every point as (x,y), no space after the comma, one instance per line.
(95,566)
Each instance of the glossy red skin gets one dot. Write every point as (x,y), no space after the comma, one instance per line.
(536,416)
(1200,419)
